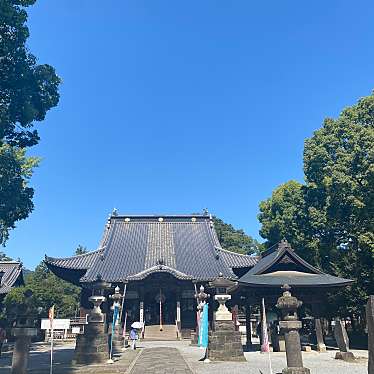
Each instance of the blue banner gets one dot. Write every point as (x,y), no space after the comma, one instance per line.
(115,316)
(204,328)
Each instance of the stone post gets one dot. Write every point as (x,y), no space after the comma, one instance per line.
(342,340)
(224,342)
(370,323)
(321,347)
(290,325)
(21,348)
(178,320)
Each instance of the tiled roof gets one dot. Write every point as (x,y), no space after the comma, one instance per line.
(237,260)
(11,274)
(135,246)
(294,278)
(270,270)
(80,262)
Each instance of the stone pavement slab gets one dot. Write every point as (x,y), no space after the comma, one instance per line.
(160,360)
(63,354)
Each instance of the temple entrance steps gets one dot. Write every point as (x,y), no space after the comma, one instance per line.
(152,332)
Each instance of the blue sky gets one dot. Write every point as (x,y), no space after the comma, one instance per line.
(171,107)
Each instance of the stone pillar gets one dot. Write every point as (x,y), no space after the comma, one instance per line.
(92,346)
(21,348)
(342,340)
(290,325)
(178,311)
(321,347)
(178,319)
(370,323)
(141,311)
(141,316)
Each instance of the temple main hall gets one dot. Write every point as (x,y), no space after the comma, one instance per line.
(160,262)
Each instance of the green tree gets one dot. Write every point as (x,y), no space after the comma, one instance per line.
(15,194)
(331,216)
(47,290)
(27,92)
(234,240)
(284,215)
(339,173)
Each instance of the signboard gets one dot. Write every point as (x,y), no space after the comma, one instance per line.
(75,330)
(57,324)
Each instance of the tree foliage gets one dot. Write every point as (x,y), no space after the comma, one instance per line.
(15,193)
(27,92)
(47,290)
(331,217)
(234,240)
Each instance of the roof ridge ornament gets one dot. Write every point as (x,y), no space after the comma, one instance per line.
(284,244)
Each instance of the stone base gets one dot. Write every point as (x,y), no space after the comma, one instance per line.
(92,347)
(194,338)
(321,348)
(225,343)
(117,340)
(345,356)
(292,370)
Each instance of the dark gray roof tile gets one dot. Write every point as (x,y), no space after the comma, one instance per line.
(132,245)
(11,274)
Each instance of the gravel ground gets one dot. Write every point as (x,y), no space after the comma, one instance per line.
(318,363)
(257,363)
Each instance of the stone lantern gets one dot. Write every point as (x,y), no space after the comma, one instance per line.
(224,341)
(117,338)
(290,325)
(222,286)
(92,346)
(23,331)
(98,289)
(201,298)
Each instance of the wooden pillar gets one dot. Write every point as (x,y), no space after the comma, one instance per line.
(248,325)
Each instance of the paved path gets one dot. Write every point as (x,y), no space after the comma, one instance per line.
(161,360)
(171,358)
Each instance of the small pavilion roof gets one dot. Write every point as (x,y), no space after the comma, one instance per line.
(281,265)
(134,247)
(11,275)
